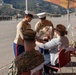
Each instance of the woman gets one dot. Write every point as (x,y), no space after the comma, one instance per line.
(55,44)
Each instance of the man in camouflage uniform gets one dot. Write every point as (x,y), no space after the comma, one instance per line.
(31,58)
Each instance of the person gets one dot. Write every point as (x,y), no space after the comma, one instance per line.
(30,58)
(21,28)
(54,45)
(43,22)
(44,36)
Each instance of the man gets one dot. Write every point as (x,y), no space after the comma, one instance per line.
(31,58)
(21,28)
(42,22)
(44,25)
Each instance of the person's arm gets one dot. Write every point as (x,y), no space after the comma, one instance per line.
(20,29)
(49,45)
(37,27)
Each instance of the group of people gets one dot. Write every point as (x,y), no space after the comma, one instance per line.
(49,40)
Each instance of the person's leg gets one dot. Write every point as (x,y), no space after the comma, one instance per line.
(47,60)
(18,49)
(46,69)
(15,49)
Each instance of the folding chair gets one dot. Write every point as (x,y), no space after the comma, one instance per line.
(63,59)
(72,50)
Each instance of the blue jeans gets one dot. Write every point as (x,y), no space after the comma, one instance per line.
(46,55)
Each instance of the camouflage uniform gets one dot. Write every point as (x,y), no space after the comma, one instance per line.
(28,61)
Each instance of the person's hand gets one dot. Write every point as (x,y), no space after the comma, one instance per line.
(37,43)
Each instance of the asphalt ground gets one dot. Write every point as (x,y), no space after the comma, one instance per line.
(7,35)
